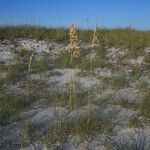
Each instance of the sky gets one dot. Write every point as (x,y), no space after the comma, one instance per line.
(85,13)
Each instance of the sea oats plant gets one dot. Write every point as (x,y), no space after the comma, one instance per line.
(73,45)
(95,43)
(30,63)
(95,40)
(74,51)
(29,71)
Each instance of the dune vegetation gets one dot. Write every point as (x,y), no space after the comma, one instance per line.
(70,88)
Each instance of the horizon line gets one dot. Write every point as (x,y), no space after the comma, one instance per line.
(67,26)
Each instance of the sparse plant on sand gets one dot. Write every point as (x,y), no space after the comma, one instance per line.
(73,49)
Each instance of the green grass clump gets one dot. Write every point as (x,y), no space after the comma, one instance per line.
(134,122)
(16,73)
(147,61)
(42,64)
(145,106)
(63,98)
(89,126)
(82,62)
(119,82)
(28,133)
(144,87)
(19,69)
(10,106)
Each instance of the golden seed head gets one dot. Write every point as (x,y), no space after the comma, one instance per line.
(95,39)
(30,62)
(73,45)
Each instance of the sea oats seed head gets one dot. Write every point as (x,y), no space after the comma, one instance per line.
(30,63)
(95,40)
(73,45)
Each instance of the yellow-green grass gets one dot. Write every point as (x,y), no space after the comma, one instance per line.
(120,37)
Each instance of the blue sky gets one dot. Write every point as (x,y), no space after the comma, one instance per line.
(86,13)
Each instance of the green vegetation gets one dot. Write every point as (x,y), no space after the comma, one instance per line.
(10,107)
(74,94)
(125,38)
(90,125)
(82,62)
(145,106)
(119,82)
(28,133)
(134,122)
(40,33)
